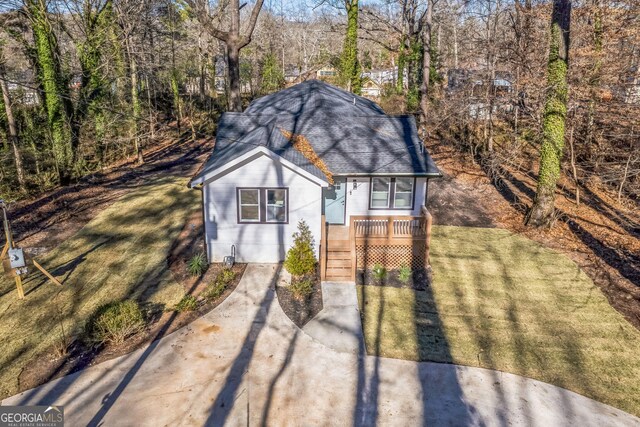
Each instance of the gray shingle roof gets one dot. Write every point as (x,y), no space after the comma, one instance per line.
(313,96)
(350,138)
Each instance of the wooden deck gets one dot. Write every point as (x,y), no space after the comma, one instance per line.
(391,241)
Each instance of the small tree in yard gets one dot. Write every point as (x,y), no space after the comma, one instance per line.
(300,258)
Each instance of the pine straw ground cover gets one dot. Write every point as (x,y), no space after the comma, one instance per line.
(122,253)
(502,301)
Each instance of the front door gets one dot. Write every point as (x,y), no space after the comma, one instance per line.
(333,199)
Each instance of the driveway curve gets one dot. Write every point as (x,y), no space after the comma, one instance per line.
(245,363)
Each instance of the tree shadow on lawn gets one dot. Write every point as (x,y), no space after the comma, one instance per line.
(626,263)
(100,274)
(54,394)
(440,387)
(530,311)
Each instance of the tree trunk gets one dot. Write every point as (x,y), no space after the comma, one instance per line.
(135,104)
(54,87)
(233,40)
(426,66)
(13,130)
(233,70)
(350,70)
(555,112)
(594,79)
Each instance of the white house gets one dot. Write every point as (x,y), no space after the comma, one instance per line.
(308,151)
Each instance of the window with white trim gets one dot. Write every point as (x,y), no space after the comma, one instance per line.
(276,205)
(380,191)
(392,193)
(403,195)
(249,200)
(263,205)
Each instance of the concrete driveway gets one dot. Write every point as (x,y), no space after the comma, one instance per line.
(245,363)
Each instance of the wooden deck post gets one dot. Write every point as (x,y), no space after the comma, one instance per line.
(352,240)
(323,248)
(427,234)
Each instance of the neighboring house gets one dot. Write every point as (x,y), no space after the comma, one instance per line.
(326,72)
(474,85)
(374,81)
(310,152)
(22,88)
(385,76)
(371,88)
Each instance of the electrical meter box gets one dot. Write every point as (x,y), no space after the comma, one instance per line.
(16,258)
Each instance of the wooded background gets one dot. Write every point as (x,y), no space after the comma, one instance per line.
(89,83)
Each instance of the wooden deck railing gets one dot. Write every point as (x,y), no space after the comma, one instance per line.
(389,227)
(392,231)
(381,231)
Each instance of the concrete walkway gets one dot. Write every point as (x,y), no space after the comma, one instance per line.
(245,363)
(338,325)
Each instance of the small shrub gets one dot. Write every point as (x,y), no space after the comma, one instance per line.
(187,303)
(379,272)
(226,276)
(114,322)
(300,259)
(302,288)
(214,291)
(404,273)
(61,345)
(197,264)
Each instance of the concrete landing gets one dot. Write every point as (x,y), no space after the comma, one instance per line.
(338,325)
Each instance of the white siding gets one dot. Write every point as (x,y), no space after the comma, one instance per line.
(358,199)
(257,242)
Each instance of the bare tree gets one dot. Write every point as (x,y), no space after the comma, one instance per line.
(233,38)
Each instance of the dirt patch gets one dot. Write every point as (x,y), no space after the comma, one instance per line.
(452,202)
(419,280)
(300,311)
(211,329)
(601,235)
(48,365)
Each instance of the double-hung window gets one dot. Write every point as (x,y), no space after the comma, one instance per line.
(380,192)
(263,205)
(249,204)
(392,193)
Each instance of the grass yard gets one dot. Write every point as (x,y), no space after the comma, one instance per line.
(120,254)
(503,302)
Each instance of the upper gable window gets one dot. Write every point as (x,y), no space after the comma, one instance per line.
(263,205)
(392,193)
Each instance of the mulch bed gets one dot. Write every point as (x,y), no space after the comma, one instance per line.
(300,311)
(419,281)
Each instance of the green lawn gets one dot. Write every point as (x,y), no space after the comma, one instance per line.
(119,254)
(503,302)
